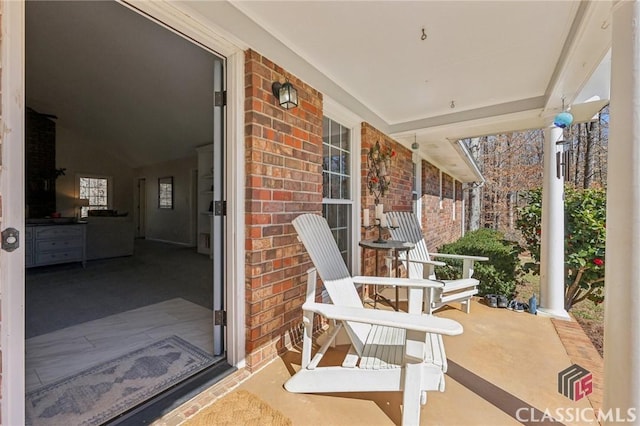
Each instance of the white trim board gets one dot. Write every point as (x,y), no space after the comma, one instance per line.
(12,191)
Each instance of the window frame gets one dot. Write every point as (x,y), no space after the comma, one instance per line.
(109,180)
(417,182)
(164,202)
(345,200)
(341,115)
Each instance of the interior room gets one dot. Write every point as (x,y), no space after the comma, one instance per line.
(120,188)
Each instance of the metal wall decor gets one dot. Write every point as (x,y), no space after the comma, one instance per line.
(378,178)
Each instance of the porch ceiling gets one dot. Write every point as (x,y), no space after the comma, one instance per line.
(504,65)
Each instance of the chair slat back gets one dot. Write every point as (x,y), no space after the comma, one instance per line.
(315,234)
(409,229)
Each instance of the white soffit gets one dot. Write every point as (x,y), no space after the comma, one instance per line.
(477,53)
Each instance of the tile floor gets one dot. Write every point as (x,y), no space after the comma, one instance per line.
(58,354)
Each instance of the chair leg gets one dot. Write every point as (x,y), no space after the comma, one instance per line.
(428,300)
(412,395)
(466,306)
(307,338)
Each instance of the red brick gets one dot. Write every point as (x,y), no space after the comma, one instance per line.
(300,134)
(254,182)
(269,231)
(255,232)
(283,195)
(270,207)
(258,194)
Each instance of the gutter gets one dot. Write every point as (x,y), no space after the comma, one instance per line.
(471,162)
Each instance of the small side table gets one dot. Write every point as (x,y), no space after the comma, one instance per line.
(396,246)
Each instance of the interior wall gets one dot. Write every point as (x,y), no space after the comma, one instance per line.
(78,157)
(171,225)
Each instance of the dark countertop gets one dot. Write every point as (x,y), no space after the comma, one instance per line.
(54,221)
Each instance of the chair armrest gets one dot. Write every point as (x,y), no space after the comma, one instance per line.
(400,282)
(458,256)
(422,323)
(426,262)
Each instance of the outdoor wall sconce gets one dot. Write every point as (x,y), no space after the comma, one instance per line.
(286,94)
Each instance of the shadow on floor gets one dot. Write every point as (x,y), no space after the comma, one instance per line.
(390,402)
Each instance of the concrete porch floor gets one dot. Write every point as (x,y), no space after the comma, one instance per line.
(502,370)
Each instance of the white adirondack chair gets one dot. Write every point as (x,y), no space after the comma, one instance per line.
(390,351)
(420,265)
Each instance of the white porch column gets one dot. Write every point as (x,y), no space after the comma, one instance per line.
(622,271)
(552,237)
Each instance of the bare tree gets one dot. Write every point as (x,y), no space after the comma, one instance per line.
(512,163)
(588,143)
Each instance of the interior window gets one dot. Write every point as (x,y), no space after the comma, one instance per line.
(165,193)
(96,190)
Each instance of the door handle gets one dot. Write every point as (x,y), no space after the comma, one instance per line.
(10,239)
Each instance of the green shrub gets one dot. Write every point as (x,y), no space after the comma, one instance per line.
(498,274)
(585,215)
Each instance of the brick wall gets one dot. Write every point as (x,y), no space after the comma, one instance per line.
(283,180)
(399,196)
(438,223)
(283,151)
(438,220)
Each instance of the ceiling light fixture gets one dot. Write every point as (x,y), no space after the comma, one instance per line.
(414,145)
(285,93)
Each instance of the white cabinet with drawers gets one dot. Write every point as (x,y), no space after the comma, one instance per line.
(51,244)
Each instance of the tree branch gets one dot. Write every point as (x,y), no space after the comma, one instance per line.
(572,290)
(585,296)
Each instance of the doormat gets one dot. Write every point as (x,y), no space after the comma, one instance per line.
(102,392)
(239,408)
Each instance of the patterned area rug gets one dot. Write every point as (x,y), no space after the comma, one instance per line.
(102,392)
(239,408)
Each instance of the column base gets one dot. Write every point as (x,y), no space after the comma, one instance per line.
(554,313)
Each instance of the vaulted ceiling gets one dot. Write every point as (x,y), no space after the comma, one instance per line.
(117,80)
(484,66)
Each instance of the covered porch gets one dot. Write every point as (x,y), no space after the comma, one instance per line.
(505,361)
